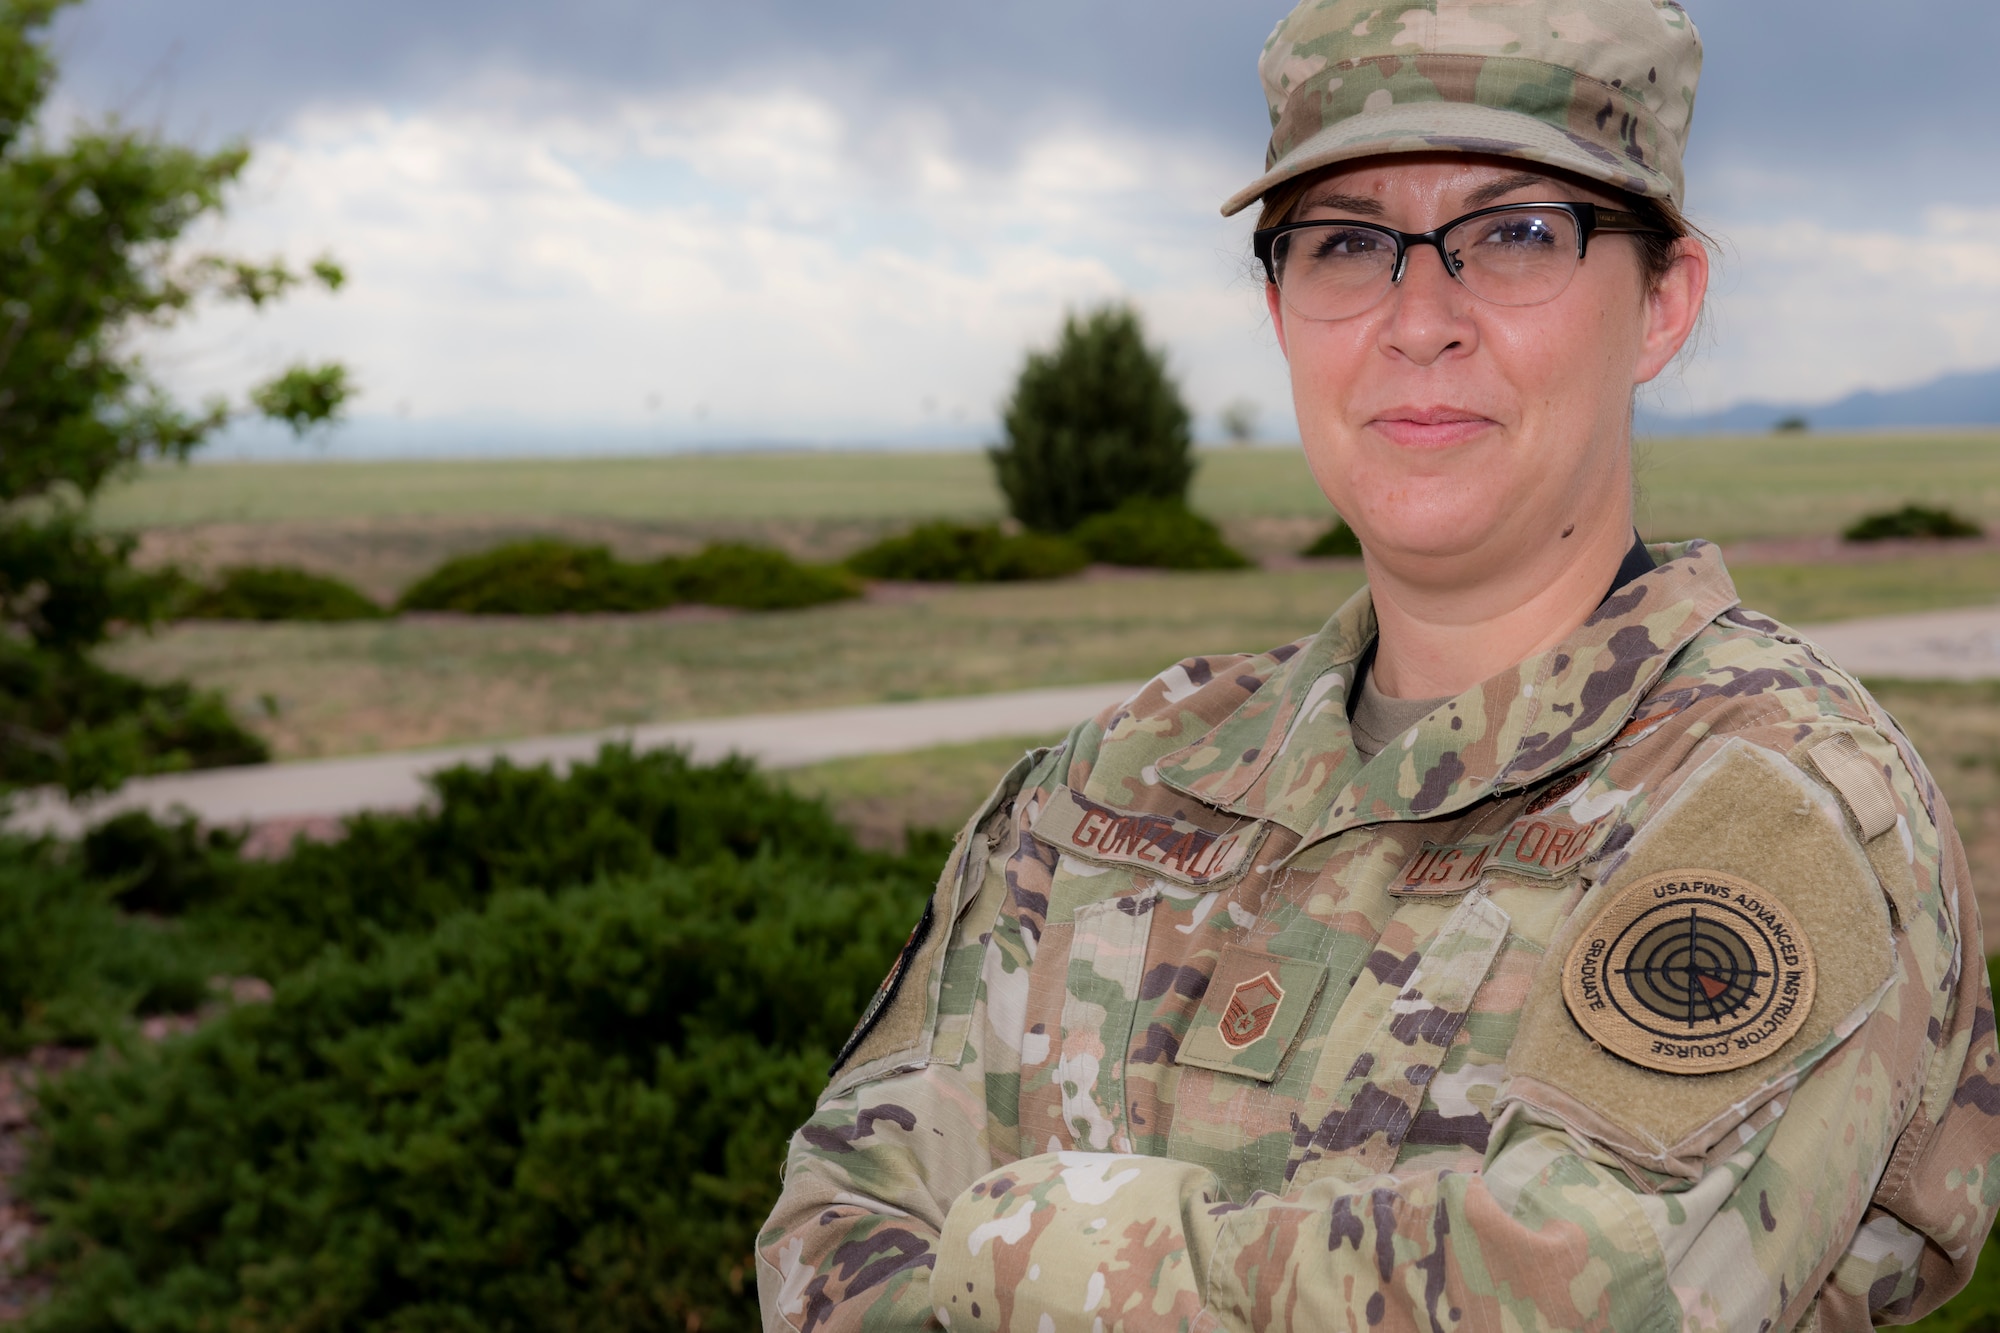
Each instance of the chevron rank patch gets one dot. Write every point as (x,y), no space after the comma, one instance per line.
(1252,1006)
(1691,972)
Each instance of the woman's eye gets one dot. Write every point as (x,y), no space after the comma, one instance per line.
(1347,244)
(1523,232)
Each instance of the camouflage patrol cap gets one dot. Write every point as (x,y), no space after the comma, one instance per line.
(1603,88)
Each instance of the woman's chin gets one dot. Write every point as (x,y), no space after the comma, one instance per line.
(1433,538)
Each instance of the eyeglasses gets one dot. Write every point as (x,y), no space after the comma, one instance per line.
(1512,255)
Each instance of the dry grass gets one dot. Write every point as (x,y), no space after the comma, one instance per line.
(430,680)
(1956,727)
(1727,488)
(427,680)
(880,797)
(1809,593)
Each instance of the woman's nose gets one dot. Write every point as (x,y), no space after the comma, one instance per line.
(1429,310)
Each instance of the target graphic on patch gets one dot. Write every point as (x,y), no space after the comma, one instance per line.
(1691,972)
(1694,969)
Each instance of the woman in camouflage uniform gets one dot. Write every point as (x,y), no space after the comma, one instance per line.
(1549,942)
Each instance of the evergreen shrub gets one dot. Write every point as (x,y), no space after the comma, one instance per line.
(554,1113)
(510,827)
(756,578)
(946,552)
(276,592)
(1157,534)
(1337,541)
(1912,521)
(531,1062)
(540,577)
(1092,424)
(161,868)
(73,970)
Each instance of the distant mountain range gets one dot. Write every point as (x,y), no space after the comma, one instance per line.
(1968,398)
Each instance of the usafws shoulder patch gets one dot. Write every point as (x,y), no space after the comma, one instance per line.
(1691,972)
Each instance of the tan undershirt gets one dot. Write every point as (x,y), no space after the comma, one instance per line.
(1379,719)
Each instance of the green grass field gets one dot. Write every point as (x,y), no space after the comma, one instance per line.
(1727,488)
(382,525)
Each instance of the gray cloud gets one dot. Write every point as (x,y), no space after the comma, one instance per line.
(1848,101)
(1828,99)
(997,72)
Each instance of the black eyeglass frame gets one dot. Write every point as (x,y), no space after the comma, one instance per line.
(1589,218)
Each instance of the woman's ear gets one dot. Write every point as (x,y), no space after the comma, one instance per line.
(1673,308)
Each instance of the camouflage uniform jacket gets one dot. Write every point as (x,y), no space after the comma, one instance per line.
(1210,1024)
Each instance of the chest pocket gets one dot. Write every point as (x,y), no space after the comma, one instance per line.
(1251,1011)
(1387,1043)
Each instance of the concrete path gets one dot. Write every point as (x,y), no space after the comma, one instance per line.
(1929,645)
(1934,645)
(333,787)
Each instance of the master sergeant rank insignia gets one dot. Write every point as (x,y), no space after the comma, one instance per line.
(1252,1006)
(1691,972)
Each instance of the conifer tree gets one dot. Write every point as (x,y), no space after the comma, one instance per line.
(1092,424)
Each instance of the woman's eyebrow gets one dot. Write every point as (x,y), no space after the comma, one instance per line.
(1494,191)
(1347,203)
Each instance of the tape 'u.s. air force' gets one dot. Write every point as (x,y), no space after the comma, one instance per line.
(1539,847)
(1168,846)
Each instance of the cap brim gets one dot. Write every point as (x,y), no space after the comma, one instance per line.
(1457,127)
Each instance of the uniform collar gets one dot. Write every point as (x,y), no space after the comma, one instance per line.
(1287,753)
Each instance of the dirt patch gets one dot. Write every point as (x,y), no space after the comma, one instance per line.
(666,615)
(272,840)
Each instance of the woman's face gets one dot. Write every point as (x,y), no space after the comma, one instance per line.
(1448,431)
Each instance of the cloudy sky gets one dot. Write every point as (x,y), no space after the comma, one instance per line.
(676,222)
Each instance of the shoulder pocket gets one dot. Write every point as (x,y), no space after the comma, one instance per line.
(896,1029)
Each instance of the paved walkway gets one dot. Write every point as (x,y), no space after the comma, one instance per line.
(1933,645)
(1928,645)
(333,787)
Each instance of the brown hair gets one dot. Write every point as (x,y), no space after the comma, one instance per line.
(1656,249)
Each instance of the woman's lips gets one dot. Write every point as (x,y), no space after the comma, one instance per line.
(1430,427)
